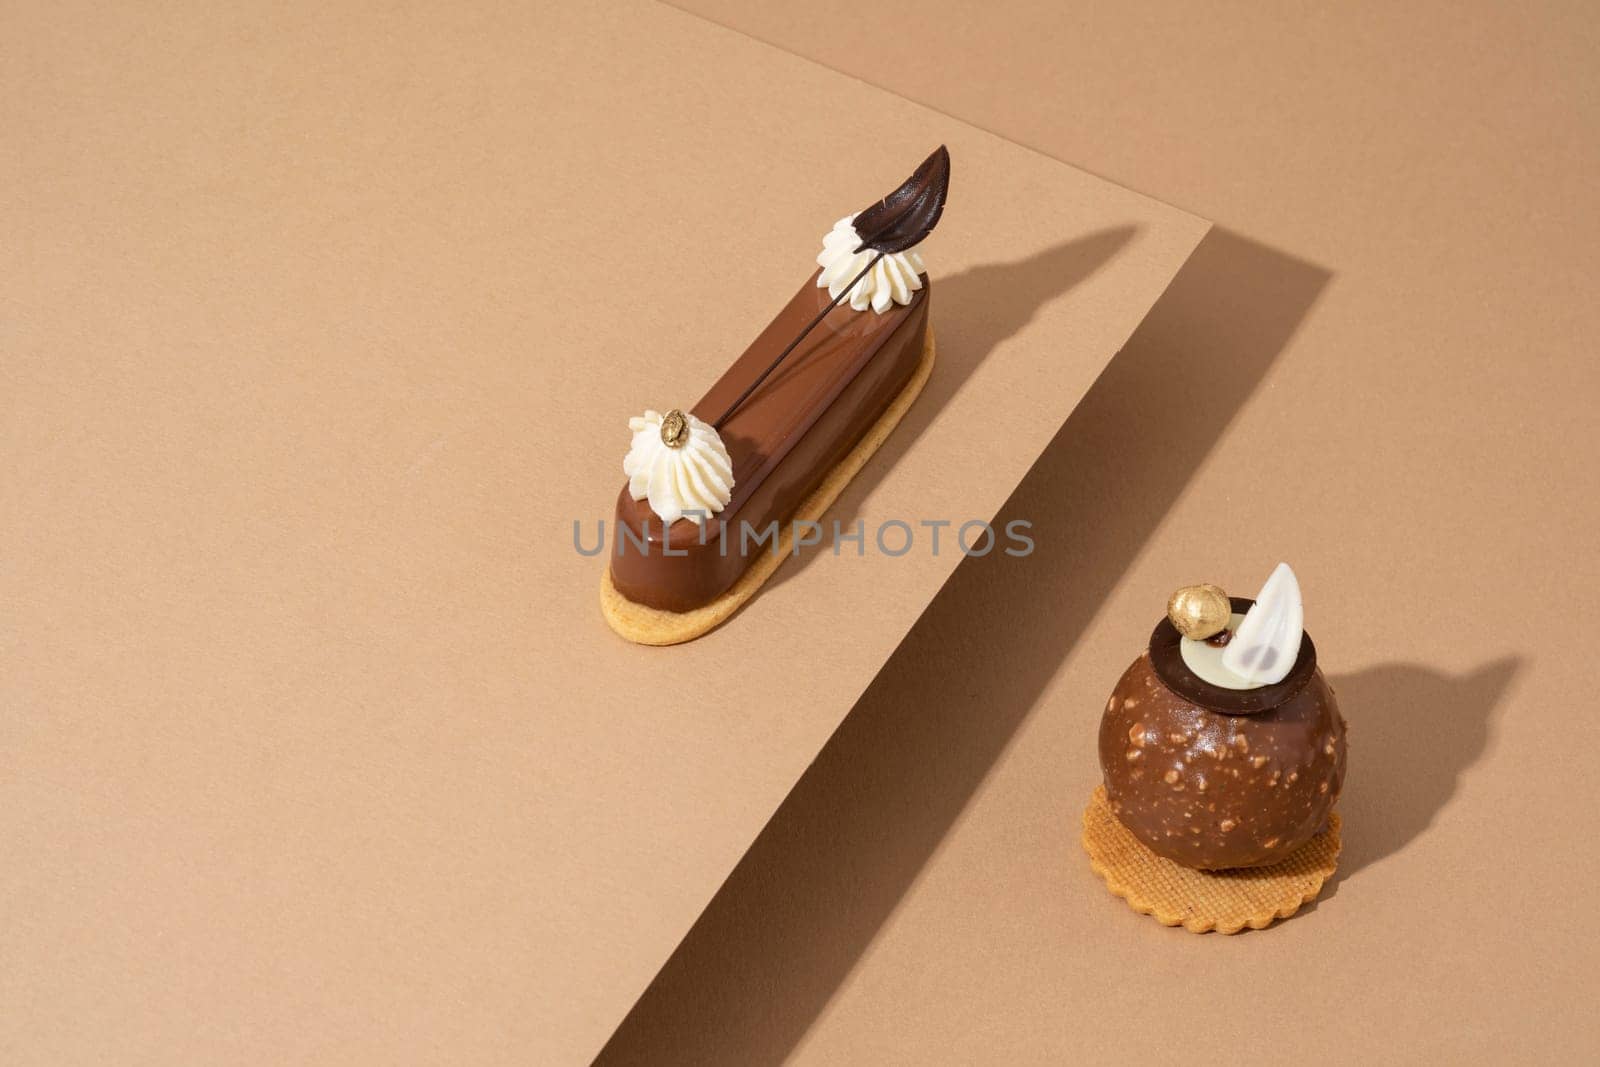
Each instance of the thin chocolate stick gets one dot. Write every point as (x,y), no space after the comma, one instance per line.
(791,347)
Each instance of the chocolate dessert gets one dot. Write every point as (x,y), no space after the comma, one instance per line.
(781,442)
(1217,759)
(713,493)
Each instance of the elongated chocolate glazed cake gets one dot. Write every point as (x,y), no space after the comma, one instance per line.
(782,442)
(713,493)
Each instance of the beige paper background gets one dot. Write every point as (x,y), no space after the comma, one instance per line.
(1381,367)
(322,325)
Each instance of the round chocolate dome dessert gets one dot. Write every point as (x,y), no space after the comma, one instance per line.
(1218,759)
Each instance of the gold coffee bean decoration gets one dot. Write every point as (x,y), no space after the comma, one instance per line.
(674,429)
(1199,611)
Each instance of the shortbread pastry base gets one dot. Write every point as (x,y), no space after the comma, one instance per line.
(1225,901)
(652,626)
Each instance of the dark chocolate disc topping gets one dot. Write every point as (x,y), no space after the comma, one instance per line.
(1166,655)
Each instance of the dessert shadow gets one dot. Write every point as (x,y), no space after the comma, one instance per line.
(1395,711)
(984,306)
(796,913)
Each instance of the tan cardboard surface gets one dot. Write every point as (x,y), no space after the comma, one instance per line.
(321,326)
(1381,367)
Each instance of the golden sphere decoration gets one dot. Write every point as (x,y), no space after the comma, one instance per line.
(1199,611)
(674,429)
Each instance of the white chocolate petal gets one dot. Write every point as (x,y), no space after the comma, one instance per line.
(1267,642)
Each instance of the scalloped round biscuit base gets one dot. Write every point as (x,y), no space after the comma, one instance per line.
(1200,901)
(652,626)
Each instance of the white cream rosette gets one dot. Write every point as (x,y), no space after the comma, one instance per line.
(680,464)
(891,282)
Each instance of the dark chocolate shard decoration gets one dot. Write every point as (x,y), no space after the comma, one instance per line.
(907,215)
(893,224)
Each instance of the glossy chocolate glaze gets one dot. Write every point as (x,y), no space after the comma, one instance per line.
(782,441)
(1214,790)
